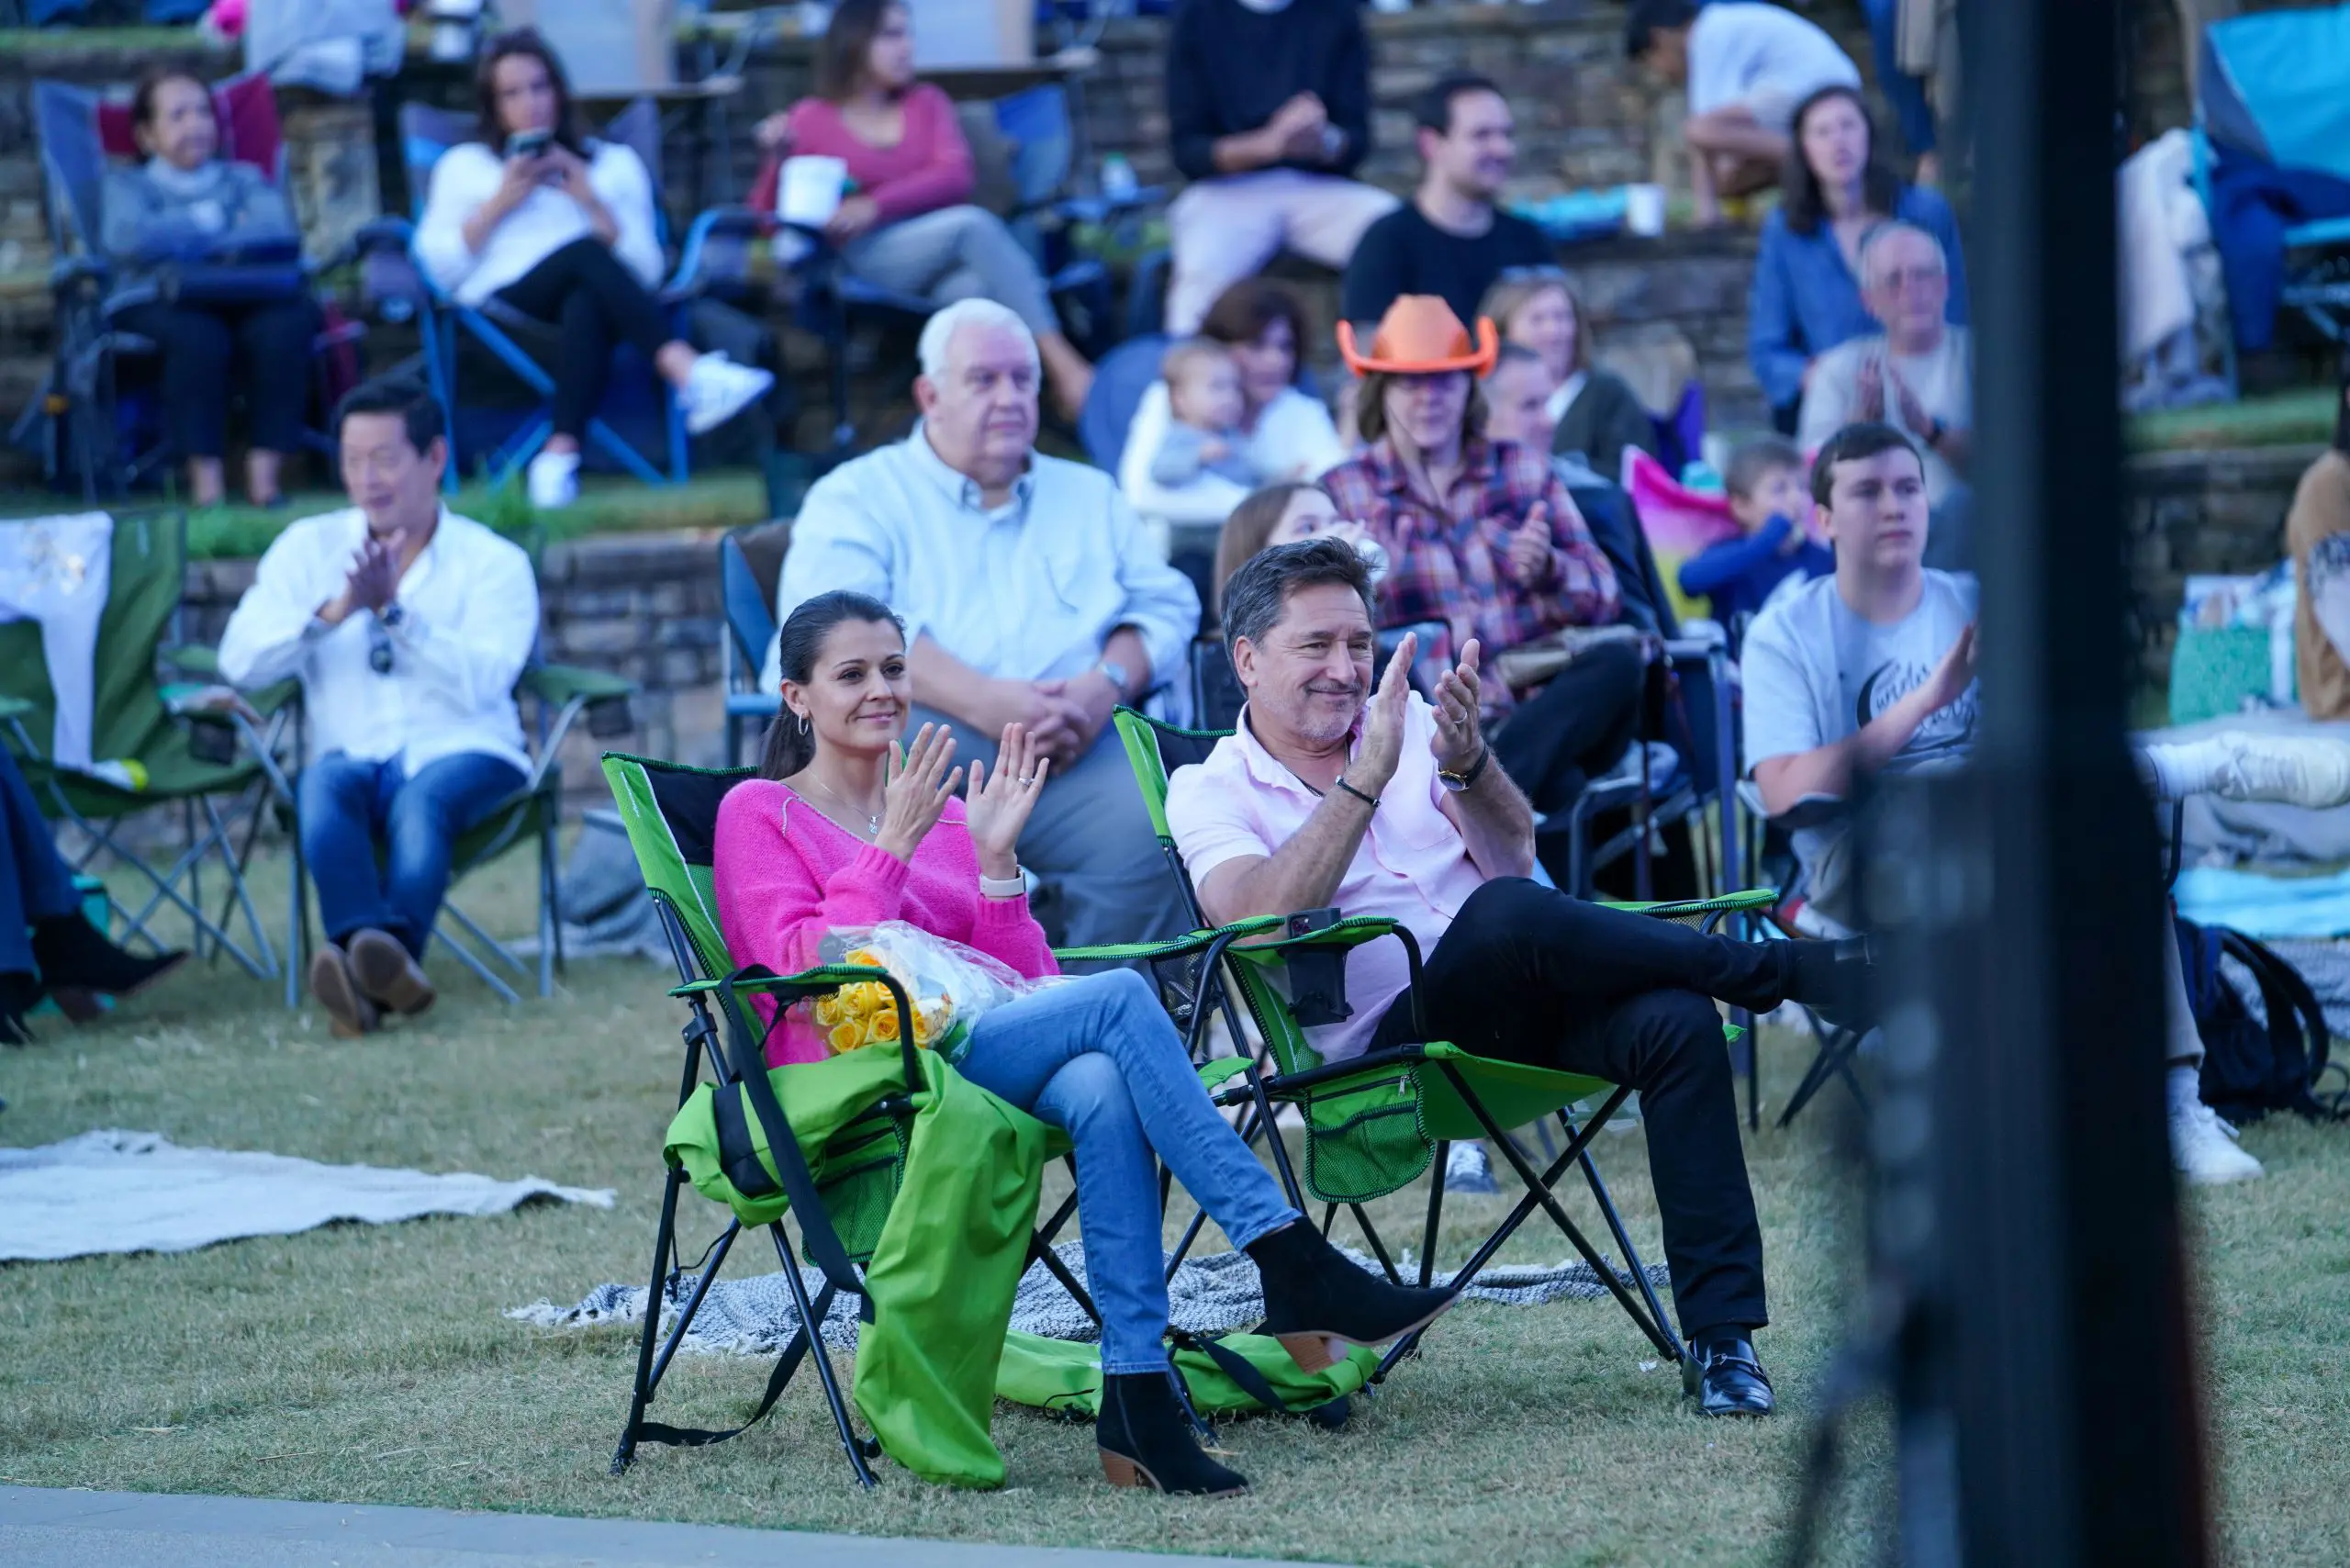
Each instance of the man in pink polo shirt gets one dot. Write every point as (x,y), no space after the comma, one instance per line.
(1332,793)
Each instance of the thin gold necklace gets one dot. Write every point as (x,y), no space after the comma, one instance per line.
(872,822)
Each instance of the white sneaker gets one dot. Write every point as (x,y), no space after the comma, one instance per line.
(2298,770)
(552,479)
(2204,1149)
(1468,1169)
(717,389)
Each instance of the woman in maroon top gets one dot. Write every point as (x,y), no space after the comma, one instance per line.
(1480,535)
(846,827)
(910,225)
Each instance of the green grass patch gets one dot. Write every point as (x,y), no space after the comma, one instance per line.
(365,1364)
(2280,419)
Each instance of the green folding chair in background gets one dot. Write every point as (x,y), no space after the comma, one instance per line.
(1374,1124)
(177,754)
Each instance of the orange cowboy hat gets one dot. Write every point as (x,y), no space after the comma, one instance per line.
(1421,336)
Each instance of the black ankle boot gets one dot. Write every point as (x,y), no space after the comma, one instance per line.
(19,995)
(1314,1296)
(1145,1440)
(73,955)
(1835,979)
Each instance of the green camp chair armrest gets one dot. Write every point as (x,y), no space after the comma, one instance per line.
(1352,930)
(807,982)
(1216,1078)
(1176,948)
(559,683)
(14,707)
(193,659)
(1743,902)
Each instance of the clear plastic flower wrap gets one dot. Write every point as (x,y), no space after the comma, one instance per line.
(949,986)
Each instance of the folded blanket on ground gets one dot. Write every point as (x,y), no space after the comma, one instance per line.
(1214,1293)
(123,1192)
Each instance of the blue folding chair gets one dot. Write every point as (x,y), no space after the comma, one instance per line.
(2275,87)
(750,562)
(102,425)
(1120,379)
(636,400)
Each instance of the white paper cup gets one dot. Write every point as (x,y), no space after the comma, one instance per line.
(1644,209)
(810,192)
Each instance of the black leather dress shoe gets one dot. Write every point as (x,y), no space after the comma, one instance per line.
(1725,1379)
(1837,981)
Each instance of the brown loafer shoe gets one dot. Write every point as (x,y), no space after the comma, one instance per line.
(387,973)
(338,993)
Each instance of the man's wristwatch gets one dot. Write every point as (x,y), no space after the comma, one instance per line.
(391,615)
(1120,682)
(1934,434)
(1457,782)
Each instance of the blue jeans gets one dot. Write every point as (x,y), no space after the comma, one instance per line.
(349,804)
(35,882)
(1906,93)
(1097,1058)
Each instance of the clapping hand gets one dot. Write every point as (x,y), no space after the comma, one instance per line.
(1868,391)
(1458,740)
(997,806)
(1913,413)
(1527,558)
(375,577)
(1296,127)
(774,133)
(915,789)
(1954,674)
(1383,724)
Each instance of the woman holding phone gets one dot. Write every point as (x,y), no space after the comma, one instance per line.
(561,228)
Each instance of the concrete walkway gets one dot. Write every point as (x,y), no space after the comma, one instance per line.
(44,1528)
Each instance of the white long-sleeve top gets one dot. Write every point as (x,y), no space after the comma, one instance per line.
(1293,440)
(1027,591)
(469,618)
(547,221)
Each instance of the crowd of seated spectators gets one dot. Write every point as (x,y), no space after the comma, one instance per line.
(961,593)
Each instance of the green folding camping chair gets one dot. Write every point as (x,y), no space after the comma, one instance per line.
(175,750)
(555,695)
(1376,1123)
(670,811)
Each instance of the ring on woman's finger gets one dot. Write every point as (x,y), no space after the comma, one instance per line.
(1027,778)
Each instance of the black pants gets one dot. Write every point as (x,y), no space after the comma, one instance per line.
(1575,727)
(1527,974)
(266,345)
(597,303)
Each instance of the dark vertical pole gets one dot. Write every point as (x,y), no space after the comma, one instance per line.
(2052,1363)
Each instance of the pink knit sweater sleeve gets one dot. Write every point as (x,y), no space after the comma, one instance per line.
(1006,932)
(775,898)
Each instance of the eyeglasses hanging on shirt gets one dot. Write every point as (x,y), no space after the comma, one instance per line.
(379,638)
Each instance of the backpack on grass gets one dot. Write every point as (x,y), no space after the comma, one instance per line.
(2251,1066)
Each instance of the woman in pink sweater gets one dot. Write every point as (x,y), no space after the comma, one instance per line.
(911,226)
(845,827)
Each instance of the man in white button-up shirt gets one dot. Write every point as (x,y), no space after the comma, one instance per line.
(1029,594)
(408,626)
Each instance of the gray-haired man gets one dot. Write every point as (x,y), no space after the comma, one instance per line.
(1029,594)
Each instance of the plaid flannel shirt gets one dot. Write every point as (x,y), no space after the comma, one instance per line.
(1447,565)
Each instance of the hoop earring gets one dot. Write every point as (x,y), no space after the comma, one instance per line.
(807,725)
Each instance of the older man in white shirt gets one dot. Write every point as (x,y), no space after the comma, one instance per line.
(1029,593)
(408,626)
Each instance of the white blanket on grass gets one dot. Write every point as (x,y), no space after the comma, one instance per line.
(122,1192)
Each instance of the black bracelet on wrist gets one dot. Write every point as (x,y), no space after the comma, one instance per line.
(1371,801)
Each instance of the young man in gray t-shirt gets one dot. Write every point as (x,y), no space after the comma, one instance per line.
(1869,671)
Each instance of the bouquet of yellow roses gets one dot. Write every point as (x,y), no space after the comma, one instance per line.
(947,984)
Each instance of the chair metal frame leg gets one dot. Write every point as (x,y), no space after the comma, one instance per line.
(464,956)
(810,1323)
(1833,1060)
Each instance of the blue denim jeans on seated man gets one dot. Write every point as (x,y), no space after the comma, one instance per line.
(1097,1058)
(350,804)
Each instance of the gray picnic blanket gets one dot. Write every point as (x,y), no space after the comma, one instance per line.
(1212,1293)
(111,1191)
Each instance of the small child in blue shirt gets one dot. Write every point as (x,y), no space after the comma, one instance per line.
(1767,498)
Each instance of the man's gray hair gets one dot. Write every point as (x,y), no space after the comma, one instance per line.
(1884,231)
(938,332)
(1260,590)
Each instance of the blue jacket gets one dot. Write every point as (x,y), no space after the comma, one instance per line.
(1805,301)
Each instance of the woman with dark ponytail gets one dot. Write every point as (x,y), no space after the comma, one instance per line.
(845,828)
